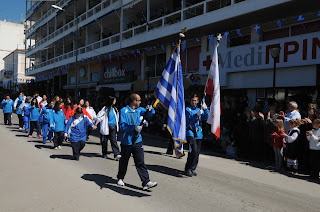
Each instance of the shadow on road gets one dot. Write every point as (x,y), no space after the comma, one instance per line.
(16,131)
(159,153)
(166,170)
(91,155)
(36,141)
(107,182)
(25,136)
(43,146)
(65,157)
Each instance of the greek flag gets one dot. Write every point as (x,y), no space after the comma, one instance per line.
(170,93)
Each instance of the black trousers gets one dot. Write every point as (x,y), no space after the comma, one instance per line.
(193,156)
(21,122)
(58,138)
(138,156)
(113,140)
(314,163)
(34,124)
(77,147)
(7,118)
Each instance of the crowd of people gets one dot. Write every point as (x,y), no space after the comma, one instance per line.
(288,140)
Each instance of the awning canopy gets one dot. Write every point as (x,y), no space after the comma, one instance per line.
(117,86)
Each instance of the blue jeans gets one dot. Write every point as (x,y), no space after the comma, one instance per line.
(45,130)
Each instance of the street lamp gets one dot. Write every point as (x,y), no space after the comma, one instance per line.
(75,37)
(275,52)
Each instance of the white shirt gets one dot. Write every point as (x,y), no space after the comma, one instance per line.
(314,139)
(102,117)
(290,115)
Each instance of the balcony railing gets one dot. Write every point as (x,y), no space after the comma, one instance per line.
(91,47)
(170,19)
(68,26)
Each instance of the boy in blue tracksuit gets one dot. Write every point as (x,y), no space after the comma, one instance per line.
(34,117)
(130,119)
(57,125)
(76,130)
(24,107)
(7,106)
(19,100)
(194,116)
(44,119)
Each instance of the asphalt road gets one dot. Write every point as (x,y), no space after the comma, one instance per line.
(35,177)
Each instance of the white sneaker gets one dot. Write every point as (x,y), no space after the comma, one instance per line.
(117,158)
(120,182)
(20,128)
(59,147)
(106,157)
(149,185)
(56,148)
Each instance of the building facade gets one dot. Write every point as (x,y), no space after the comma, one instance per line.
(125,44)
(11,37)
(14,71)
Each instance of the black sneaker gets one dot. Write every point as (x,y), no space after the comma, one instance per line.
(194,173)
(188,173)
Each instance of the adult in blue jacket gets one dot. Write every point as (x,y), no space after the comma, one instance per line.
(7,106)
(19,100)
(44,119)
(34,117)
(76,130)
(57,125)
(194,117)
(130,119)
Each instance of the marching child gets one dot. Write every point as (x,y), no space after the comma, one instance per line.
(76,130)
(45,121)
(314,145)
(291,140)
(34,117)
(57,125)
(277,137)
(24,107)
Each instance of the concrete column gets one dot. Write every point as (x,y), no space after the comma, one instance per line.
(254,36)
(143,62)
(232,2)
(204,44)
(87,5)
(121,23)
(168,53)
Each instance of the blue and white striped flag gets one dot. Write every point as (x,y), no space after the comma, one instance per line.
(170,93)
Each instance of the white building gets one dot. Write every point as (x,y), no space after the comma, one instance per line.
(14,71)
(11,38)
(109,28)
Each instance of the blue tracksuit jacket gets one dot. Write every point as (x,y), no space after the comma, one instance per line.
(194,121)
(57,121)
(76,128)
(127,127)
(34,113)
(7,106)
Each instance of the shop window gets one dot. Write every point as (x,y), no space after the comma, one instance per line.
(95,77)
(275,34)
(72,80)
(308,28)
(155,65)
(190,59)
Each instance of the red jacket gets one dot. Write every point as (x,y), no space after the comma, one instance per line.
(85,112)
(277,140)
(68,112)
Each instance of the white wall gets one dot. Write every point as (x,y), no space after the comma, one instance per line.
(11,38)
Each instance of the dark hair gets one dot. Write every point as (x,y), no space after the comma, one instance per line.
(133,97)
(66,104)
(109,101)
(37,92)
(56,106)
(79,110)
(194,96)
(36,104)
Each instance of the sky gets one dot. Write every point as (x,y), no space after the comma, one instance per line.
(12,9)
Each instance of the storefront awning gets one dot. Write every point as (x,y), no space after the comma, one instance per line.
(117,87)
(81,85)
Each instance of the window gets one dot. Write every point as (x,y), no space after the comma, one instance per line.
(95,77)
(190,59)
(155,65)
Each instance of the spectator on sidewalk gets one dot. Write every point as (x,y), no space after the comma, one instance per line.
(277,135)
(292,114)
(313,137)
(7,105)
(291,141)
